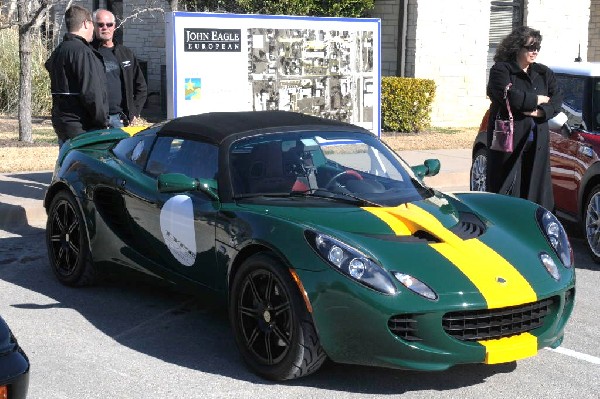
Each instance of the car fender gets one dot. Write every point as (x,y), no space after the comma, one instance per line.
(589,180)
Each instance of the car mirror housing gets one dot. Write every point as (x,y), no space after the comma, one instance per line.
(176,183)
(430,167)
(560,124)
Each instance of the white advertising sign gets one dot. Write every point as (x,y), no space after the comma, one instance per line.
(328,67)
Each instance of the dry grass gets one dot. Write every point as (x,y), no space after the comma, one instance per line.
(17,156)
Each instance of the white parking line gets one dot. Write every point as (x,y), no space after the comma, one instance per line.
(577,355)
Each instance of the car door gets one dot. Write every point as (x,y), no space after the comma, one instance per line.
(180,227)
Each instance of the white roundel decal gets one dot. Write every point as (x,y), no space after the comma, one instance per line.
(177,227)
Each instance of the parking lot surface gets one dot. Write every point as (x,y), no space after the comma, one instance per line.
(125,339)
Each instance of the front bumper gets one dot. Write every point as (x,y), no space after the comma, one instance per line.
(354,327)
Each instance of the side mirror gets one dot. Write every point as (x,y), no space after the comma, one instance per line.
(559,124)
(176,183)
(430,167)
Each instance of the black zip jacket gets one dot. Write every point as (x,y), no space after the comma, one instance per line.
(133,84)
(78,86)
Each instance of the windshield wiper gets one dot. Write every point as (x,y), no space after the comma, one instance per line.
(346,197)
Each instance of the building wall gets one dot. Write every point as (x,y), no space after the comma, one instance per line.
(563,29)
(594,31)
(450,48)
(448,42)
(145,35)
(388,11)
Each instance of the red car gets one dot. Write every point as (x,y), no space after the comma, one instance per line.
(574,148)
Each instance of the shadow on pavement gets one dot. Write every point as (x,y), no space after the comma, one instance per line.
(25,185)
(191,331)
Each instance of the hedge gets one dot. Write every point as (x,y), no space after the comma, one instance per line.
(406,103)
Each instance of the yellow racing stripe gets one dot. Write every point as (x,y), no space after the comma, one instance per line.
(131,130)
(483,266)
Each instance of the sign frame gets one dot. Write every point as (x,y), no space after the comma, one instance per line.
(323,66)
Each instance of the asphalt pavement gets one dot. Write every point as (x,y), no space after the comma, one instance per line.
(22,194)
(130,339)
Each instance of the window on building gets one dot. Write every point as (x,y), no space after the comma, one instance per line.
(505,15)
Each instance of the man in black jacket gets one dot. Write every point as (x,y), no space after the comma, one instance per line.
(126,86)
(77,79)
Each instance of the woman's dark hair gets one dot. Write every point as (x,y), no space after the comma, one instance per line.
(511,44)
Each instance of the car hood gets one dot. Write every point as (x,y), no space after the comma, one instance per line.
(445,242)
(408,220)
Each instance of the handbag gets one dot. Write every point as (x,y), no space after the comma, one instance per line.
(502,137)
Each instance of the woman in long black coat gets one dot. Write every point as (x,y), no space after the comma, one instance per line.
(534,98)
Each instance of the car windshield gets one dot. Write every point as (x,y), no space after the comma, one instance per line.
(334,165)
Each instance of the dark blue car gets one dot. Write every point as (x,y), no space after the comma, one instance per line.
(14,366)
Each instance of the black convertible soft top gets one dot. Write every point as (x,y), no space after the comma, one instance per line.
(217,126)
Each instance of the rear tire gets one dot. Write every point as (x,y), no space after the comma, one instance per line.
(479,170)
(273,329)
(67,242)
(591,223)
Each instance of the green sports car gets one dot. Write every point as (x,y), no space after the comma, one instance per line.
(323,242)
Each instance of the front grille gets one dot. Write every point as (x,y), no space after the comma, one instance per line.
(477,325)
(404,326)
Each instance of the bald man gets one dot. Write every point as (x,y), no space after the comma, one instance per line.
(126,86)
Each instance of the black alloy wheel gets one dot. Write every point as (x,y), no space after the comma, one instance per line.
(67,244)
(273,329)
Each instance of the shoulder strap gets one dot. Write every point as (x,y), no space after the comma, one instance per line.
(510,116)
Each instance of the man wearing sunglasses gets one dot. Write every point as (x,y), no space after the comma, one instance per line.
(126,86)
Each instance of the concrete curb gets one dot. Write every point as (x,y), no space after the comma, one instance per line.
(21,198)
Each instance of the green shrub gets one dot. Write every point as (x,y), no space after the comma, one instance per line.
(406,103)
(41,100)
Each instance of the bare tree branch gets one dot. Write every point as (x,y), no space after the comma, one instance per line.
(136,12)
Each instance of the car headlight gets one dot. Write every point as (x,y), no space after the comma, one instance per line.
(416,285)
(556,236)
(351,262)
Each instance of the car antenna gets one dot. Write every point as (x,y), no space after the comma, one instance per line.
(578,59)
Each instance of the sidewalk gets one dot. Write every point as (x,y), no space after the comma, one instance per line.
(22,194)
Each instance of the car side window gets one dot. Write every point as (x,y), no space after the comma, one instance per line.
(573,90)
(135,150)
(189,157)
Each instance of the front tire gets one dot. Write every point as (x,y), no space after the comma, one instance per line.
(591,223)
(67,242)
(479,170)
(273,329)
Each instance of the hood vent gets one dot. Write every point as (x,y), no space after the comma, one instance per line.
(468,226)
(419,236)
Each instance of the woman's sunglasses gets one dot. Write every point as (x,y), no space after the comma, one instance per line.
(533,47)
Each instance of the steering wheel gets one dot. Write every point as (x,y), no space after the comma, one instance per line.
(348,172)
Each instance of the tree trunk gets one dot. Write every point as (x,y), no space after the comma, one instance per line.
(25,31)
